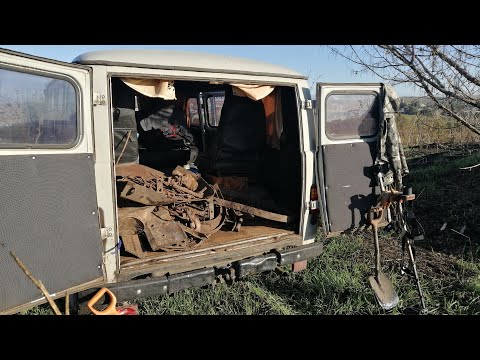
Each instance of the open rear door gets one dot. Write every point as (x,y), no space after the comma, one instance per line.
(348,118)
(48,199)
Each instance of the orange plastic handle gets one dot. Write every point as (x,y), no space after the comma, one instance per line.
(110,309)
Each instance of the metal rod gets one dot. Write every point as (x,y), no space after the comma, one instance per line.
(419,288)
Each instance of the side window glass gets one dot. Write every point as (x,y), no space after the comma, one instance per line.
(36,110)
(351,116)
(214,109)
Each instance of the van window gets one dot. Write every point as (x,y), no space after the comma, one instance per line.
(351,116)
(36,110)
(214,109)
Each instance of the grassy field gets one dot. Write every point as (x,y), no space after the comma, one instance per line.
(337,281)
(419,130)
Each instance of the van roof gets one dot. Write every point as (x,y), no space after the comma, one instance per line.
(184,60)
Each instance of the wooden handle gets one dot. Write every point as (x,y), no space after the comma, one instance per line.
(110,309)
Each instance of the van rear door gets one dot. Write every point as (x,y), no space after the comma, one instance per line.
(48,201)
(348,118)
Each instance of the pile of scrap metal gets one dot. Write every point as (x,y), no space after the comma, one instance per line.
(174,212)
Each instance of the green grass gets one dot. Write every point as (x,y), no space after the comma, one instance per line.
(337,281)
(334,283)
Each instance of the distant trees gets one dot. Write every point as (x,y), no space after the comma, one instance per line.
(448,74)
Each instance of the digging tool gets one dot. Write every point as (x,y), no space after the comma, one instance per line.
(111,309)
(380,283)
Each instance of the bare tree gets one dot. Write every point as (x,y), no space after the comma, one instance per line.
(448,74)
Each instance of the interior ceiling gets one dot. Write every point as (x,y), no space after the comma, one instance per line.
(192,88)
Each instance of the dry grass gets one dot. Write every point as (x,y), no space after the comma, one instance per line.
(420,130)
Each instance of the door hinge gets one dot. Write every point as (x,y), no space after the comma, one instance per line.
(98,99)
(106,232)
(307,105)
(313,205)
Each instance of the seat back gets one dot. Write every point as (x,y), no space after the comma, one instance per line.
(241,136)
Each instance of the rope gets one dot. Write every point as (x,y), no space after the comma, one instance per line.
(124,146)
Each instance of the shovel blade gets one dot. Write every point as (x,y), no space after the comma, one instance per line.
(384,291)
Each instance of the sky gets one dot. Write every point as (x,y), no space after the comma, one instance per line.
(315,61)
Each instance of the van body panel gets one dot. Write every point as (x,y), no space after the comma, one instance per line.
(184,60)
(49,204)
(348,117)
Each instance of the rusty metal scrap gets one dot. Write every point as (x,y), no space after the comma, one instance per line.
(155,223)
(179,211)
(253,211)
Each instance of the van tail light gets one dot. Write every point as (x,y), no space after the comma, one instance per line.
(314,213)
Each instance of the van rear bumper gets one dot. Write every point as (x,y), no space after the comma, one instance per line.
(140,288)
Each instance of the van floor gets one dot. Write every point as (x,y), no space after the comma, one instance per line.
(220,249)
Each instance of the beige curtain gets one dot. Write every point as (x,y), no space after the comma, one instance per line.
(254,92)
(155,88)
(273,112)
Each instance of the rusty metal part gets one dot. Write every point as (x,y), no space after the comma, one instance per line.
(132,245)
(139,170)
(137,183)
(253,211)
(386,198)
(139,213)
(212,226)
(161,233)
(194,233)
(181,210)
(162,213)
(140,194)
(198,194)
(130,224)
(186,178)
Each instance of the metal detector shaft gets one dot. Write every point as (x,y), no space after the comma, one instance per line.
(419,288)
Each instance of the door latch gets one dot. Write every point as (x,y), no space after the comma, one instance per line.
(313,205)
(98,99)
(307,105)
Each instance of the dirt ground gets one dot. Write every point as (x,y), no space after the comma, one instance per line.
(448,208)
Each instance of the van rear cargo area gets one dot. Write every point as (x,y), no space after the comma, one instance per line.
(206,178)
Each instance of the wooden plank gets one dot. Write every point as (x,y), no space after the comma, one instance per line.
(198,261)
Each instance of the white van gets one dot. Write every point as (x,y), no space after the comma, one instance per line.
(70,134)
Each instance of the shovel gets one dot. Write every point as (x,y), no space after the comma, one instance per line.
(111,309)
(380,283)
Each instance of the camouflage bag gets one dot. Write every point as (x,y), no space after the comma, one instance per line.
(389,149)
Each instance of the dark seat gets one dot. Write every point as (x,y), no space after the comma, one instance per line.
(165,143)
(241,136)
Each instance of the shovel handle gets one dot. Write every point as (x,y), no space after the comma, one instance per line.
(110,309)
(375,216)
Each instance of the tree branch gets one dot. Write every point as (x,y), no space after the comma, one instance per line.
(455,65)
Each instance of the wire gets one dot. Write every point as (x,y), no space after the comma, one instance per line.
(124,146)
